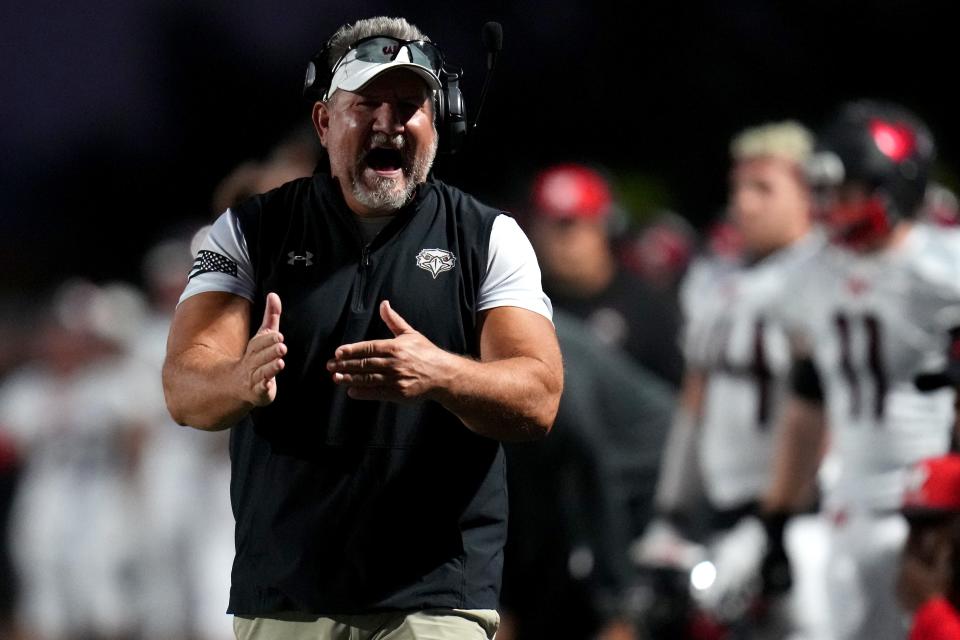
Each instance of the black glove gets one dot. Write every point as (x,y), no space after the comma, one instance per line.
(775,572)
(950,376)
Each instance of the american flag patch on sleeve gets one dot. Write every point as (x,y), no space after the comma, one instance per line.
(212,262)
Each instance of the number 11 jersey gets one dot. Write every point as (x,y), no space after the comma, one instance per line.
(872,322)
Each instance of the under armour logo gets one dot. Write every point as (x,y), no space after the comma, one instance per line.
(306,260)
(436,261)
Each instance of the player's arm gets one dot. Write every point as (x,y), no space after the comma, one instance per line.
(679,482)
(214,373)
(796,459)
(511,393)
(948,377)
(801,443)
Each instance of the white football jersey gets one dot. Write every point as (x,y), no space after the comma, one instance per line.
(73,527)
(730,336)
(70,423)
(872,322)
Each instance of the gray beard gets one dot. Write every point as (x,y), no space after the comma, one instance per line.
(387,194)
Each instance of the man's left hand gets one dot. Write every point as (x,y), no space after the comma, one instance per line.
(406,367)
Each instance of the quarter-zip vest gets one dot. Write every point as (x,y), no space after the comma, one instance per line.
(348,506)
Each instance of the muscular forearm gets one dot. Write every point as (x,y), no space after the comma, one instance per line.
(679,482)
(512,399)
(201,389)
(214,373)
(798,454)
(511,393)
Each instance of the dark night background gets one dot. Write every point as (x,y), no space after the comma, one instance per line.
(119,118)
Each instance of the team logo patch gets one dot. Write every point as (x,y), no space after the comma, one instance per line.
(436,261)
(212,262)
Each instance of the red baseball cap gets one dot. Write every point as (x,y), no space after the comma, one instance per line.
(571,191)
(933,485)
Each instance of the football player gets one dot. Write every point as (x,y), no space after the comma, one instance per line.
(864,319)
(737,356)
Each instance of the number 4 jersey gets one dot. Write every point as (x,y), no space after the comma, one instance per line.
(731,336)
(872,322)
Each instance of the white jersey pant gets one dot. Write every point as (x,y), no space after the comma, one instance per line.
(862,567)
(187,543)
(806,539)
(72,542)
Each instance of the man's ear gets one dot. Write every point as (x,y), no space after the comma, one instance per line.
(321,120)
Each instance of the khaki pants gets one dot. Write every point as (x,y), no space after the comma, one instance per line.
(430,624)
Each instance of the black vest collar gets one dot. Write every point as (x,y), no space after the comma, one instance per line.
(330,197)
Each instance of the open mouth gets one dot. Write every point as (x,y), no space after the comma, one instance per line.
(383,159)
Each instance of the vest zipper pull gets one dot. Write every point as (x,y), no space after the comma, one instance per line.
(361,286)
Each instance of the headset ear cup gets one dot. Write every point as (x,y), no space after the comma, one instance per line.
(439,110)
(318,76)
(451,113)
(310,80)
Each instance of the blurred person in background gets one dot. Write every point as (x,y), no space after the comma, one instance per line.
(188,530)
(579,498)
(15,317)
(661,251)
(928,583)
(293,157)
(737,369)
(368,475)
(186,523)
(79,432)
(572,220)
(9,473)
(723,240)
(864,319)
(941,206)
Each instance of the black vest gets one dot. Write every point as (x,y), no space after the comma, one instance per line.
(348,506)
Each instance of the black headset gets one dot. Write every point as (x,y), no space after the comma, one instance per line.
(448,106)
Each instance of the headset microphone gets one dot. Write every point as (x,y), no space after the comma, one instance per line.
(492,37)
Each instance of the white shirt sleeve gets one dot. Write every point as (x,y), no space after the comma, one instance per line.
(222,262)
(513,274)
(25,403)
(696,332)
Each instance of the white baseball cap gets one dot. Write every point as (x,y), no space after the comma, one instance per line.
(370,57)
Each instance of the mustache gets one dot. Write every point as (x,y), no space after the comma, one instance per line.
(380,139)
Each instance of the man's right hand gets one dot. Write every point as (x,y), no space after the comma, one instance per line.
(263,358)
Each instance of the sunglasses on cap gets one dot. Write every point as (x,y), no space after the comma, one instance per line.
(369,57)
(383,49)
(386,49)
